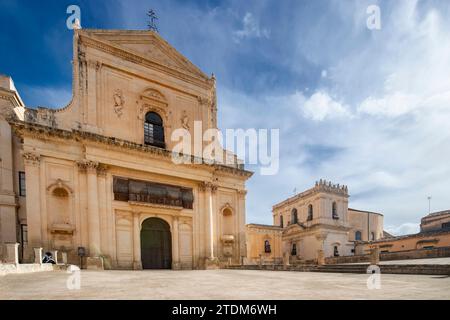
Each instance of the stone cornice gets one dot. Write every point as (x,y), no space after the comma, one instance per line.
(320,187)
(116,50)
(272,228)
(155,205)
(41,131)
(11,96)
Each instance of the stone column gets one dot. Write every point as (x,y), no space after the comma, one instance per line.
(320,258)
(103,229)
(375,256)
(93,212)
(38,255)
(175,245)
(212,261)
(55,255)
(12,253)
(241,245)
(211,224)
(137,262)
(64,257)
(33,202)
(321,237)
(286,259)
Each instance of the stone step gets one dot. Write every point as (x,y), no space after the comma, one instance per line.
(360,269)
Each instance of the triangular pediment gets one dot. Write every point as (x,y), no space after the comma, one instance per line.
(149,45)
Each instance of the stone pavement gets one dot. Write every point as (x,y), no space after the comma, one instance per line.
(220,284)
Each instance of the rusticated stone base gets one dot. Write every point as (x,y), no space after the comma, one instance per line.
(94,263)
(212,263)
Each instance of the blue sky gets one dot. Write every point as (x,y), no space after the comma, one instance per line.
(366,108)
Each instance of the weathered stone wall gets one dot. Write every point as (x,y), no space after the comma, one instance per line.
(400,255)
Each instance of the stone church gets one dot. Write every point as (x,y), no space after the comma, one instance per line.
(313,225)
(96,177)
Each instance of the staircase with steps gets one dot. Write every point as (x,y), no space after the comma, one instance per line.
(425,269)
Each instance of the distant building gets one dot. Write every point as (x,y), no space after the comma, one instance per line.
(436,221)
(434,233)
(311,224)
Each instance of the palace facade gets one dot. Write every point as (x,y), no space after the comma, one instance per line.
(96,178)
(313,225)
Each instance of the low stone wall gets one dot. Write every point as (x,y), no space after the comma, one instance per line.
(423,269)
(348,259)
(427,269)
(399,255)
(416,254)
(9,268)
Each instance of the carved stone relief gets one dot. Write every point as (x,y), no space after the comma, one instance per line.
(185,120)
(119,102)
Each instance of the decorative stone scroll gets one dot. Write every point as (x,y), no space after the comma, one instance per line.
(102,169)
(206,186)
(88,165)
(94,64)
(204,101)
(31,158)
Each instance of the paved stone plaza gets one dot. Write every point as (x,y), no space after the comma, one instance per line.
(220,284)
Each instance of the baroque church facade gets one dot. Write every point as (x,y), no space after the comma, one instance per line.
(96,178)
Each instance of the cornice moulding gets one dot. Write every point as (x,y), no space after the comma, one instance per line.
(45,132)
(109,47)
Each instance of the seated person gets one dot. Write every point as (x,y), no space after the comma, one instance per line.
(48,258)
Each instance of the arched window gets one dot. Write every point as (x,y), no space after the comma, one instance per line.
(267,247)
(281,221)
(372,236)
(334,211)
(358,235)
(294,249)
(335,251)
(154,130)
(294,216)
(310,212)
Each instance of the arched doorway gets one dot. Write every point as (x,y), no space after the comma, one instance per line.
(156,244)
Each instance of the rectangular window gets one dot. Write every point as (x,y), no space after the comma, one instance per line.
(22,189)
(24,234)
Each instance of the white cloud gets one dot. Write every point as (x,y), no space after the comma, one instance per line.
(251,29)
(390,105)
(321,106)
(403,229)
